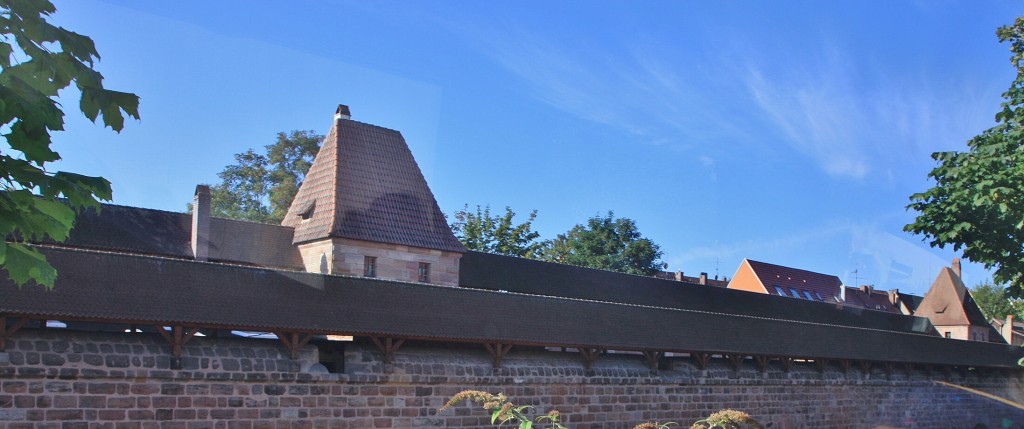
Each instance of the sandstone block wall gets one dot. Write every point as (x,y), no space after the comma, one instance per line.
(395,262)
(58,378)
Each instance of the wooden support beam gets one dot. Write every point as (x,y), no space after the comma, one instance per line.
(702,359)
(947,371)
(294,341)
(178,337)
(762,362)
(820,364)
(845,364)
(787,363)
(735,360)
(865,366)
(7,331)
(652,358)
(889,368)
(388,346)
(589,356)
(498,352)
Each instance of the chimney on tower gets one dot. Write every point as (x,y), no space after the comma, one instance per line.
(956,266)
(342,112)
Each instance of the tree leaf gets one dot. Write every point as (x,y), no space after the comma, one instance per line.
(24,263)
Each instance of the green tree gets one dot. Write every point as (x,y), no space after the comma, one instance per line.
(606,243)
(37,61)
(483,232)
(977,203)
(994,302)
(260,187)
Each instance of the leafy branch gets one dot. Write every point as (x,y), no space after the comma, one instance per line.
(37,61)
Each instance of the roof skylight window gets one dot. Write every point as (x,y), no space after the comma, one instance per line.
(794,293)
(808,295)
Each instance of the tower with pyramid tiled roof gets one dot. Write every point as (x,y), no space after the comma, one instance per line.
(950,307)
(365,209)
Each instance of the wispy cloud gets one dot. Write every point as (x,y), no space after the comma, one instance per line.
(818,115)
(630,90)
(844,114)
(853,119)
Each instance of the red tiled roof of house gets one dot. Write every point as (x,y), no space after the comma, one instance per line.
(364,184)
(771,275)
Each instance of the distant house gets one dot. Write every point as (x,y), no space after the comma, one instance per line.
(762,277)
(701,280)
(1011,330)
(905,302)
(950,307)
(867,297)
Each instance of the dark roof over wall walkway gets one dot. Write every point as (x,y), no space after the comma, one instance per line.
(115,287)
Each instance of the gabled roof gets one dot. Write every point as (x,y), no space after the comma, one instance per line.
(787,278)
(948,303)
(364,184)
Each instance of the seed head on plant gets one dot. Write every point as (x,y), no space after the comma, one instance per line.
(469,395)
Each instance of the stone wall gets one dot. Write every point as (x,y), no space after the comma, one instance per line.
(57,378)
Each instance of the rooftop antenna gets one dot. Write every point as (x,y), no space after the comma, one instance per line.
(717,262)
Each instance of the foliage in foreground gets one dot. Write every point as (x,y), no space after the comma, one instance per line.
(37,61)
(977,203)
(504,412)
(727,419)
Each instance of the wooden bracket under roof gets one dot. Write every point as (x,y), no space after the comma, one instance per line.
(820,364)
(498,351)
(178,337)
(294,341)
(787,363)
(653,357)
(889,367)
(762,362)
(736,360)
(589,356)
(7,331)
(388,346)
(702,359)
(865,366)
(908,368)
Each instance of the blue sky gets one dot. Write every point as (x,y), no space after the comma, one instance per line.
(785,132)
